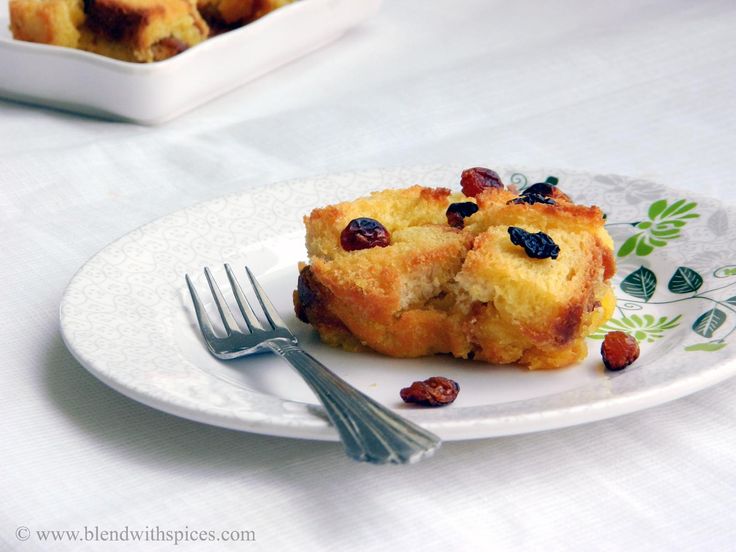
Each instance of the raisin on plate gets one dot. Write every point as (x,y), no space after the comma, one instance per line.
(435,391)
(619,350)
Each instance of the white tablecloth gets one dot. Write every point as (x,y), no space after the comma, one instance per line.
(634,87)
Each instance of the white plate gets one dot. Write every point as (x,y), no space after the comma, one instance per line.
(127,318)
(152,93)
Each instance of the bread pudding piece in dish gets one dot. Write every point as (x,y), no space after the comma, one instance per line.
(228,14)
(129,30)
(465,289)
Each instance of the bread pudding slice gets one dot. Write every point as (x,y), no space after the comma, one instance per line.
(129,30)
(468,291)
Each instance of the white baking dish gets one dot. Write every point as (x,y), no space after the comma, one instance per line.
(152,93)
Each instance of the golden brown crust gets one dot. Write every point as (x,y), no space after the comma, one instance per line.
(310,305)
(439,195)
(469,292)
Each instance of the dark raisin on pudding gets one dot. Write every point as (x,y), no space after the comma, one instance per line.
(477,179)
(548,188)
(619,350)
(435,391)
(364,233)
(531,199)
(541,188)
(457,212)
(537,246)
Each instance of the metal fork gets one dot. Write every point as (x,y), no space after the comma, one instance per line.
(369,431)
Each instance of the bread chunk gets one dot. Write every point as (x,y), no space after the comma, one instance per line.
(47,21)
(467,291)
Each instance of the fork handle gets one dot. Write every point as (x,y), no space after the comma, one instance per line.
(369,431)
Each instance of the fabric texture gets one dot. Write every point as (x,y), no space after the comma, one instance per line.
(632,87)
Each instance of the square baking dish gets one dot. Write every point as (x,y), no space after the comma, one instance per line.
(152,93)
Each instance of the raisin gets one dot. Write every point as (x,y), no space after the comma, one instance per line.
(364,233)
(457,212)
(537,246)
(435,391)
(541,188)
(477,179)
(619,350)
(531,199)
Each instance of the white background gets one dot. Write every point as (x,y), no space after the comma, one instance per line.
(641,88)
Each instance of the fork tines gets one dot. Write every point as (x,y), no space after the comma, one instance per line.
(228,320)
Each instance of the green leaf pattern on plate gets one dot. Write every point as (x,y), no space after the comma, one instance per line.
(709,347)
(643,328)
(641,283)
(707,323)
(664,224)
(685,280)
